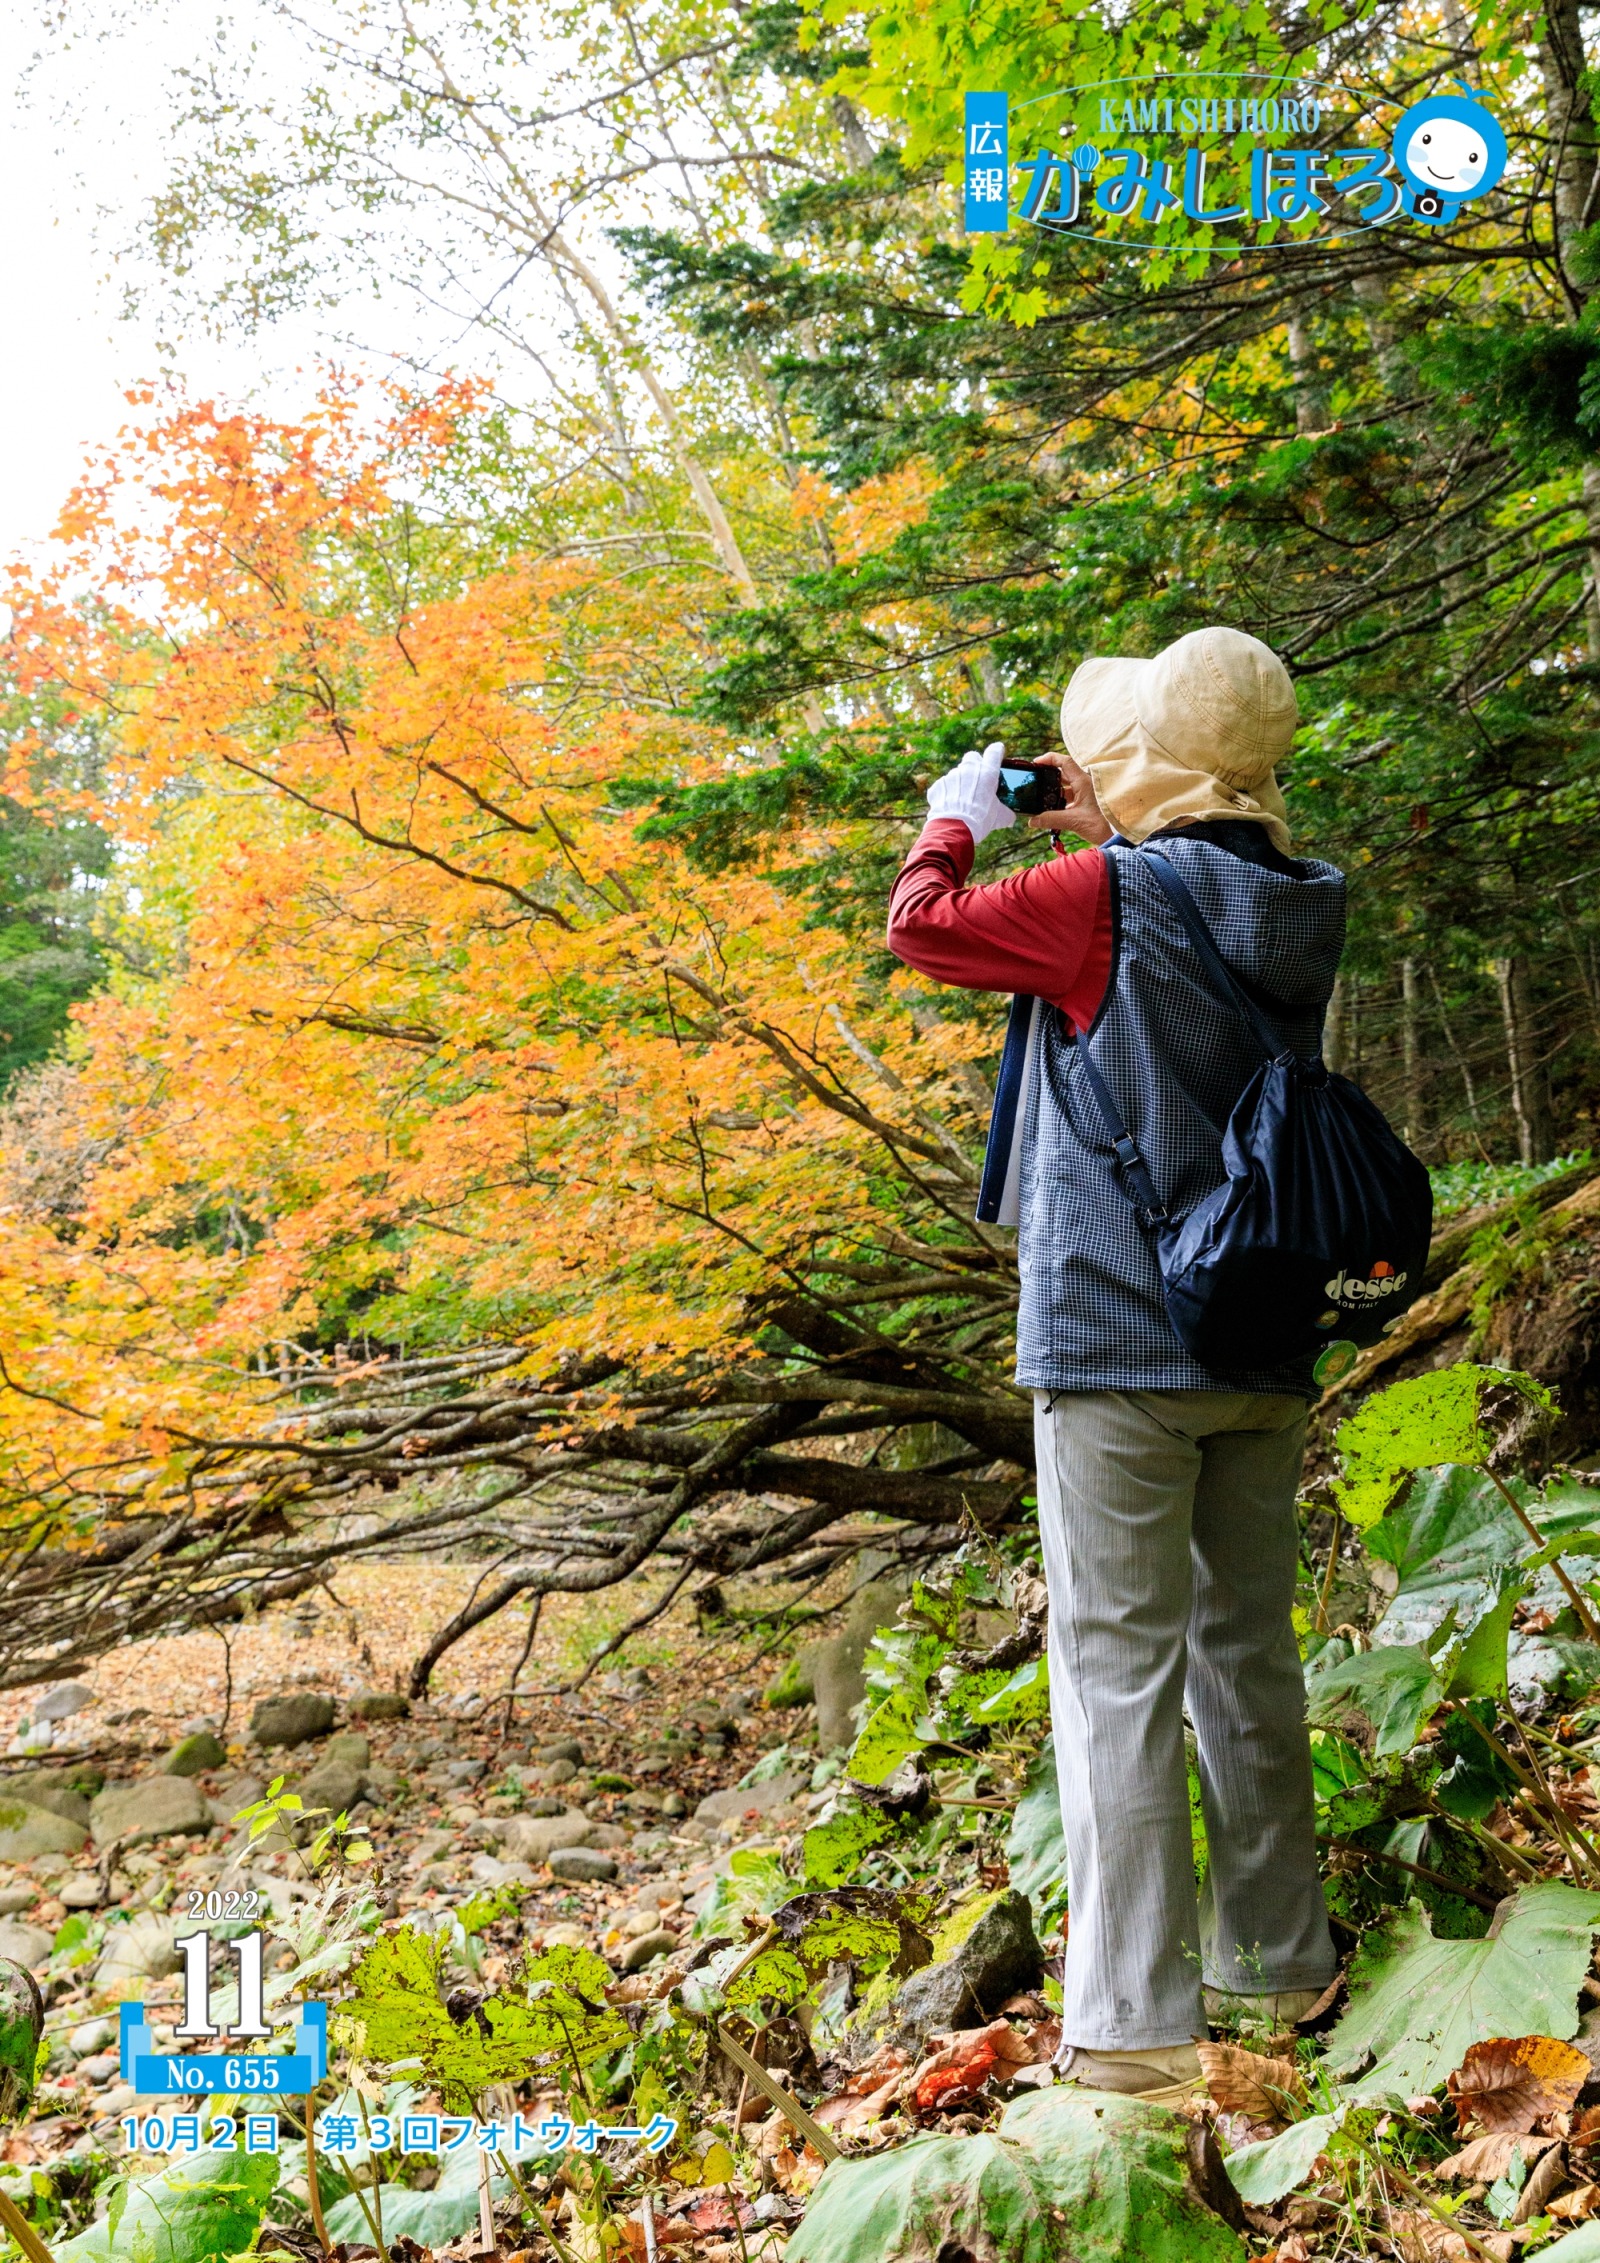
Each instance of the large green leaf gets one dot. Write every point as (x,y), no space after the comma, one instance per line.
(398,2012)
(1069,2177)
(1396,1688)
(832,1847)
(1419,1424)
(430,2218)
(1264,2172)
(1581,2246)
(1036,1850)
(199,2209)
(1453,1532)
(1417,2004)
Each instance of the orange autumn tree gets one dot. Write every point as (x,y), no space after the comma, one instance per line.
(438,1127)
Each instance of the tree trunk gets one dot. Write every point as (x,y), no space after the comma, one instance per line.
(1310,401)
(1333,1027)
(1411,1051)
(1527,1083)
(1574,154)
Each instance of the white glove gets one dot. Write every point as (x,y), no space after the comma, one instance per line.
(969,792)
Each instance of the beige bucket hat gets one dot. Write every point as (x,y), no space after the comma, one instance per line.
(1193,733)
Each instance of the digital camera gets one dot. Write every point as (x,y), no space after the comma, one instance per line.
(1029,787)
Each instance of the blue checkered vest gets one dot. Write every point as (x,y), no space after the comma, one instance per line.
(1176,1058)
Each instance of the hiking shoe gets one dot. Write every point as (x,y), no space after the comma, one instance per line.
(1160,2074)
(1273,2011)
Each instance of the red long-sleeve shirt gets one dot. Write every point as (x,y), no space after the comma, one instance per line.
(1045,932)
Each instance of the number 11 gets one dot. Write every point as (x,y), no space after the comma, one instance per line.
(197,2022)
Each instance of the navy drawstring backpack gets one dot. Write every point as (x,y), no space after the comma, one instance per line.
(1316,1240)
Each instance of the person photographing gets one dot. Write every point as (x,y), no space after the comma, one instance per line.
(1167,1482)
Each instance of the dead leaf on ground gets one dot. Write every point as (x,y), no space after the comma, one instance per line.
(1420,2238)
(1487,2158)
(1513,2082)
(1578,2205)
(1247,2082)
(1291,2250)
(965,2063)
(667,2234)
(796,2172)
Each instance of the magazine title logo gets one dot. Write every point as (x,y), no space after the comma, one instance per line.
(1148,153)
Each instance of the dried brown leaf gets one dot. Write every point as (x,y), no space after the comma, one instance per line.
(1513,2082)
(1421,2238)
(1246,2082)
(1487,2158)
(1577,2206)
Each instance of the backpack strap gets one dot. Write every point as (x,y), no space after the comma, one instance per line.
(1177,893)
(1135,1181)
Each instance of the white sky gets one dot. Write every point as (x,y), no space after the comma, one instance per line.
(67,355)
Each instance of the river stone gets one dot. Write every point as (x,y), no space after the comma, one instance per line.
(746,1799)
(81,1891)
(26,1832)
(292,1720)
(60,1800)
(646,1948)
(379,1705)
(24,1944)
(561,1748)
(583,1865)
(533,1838)
(63,1700)
(153,1807)
(193,1755)
(332,1784)
(15,1899)
(143,1950)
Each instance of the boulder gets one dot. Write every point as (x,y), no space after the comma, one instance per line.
(561,1748)
(193,1755)
(81,1891)
(292,1720)
(94,2035)
(383,1783)
(24,1944)
(141,1951)
(834,1665)
(59,1800)
(995,1956)
(486,1871)
(379,1705)
(559,1770)
(583,1865)
(154,1807)
(15,1899)
(349,1747)
(533,1838)
(794,1683)
(233,1795)
(646,1947)
(332,1785)
(1001,1955)
(750,1799)
(65,1699)
(26,1832)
